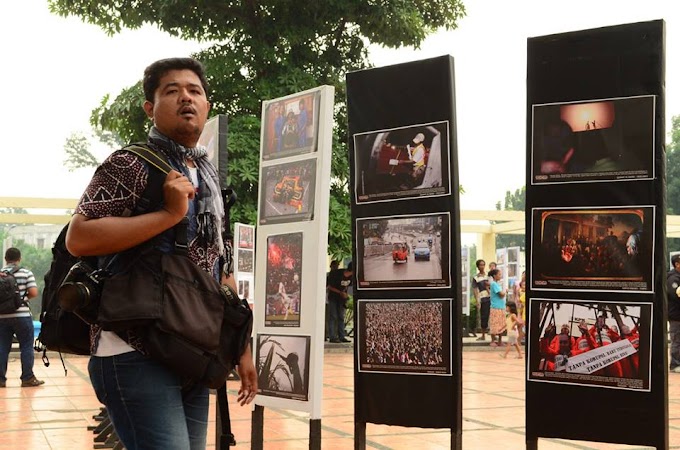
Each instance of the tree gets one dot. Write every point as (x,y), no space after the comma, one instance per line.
(673,169)
(513,202)
(673,178)
(263,50)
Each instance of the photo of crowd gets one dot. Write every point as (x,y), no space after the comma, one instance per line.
(599,140)
(590,343)
(287,192)
(402,163)
(290,125)
(283,280)
(607,249)
(283,366)
(403,251)
(405,336)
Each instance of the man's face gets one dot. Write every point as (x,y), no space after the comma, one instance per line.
(565,345)
(481,266)
(180,107)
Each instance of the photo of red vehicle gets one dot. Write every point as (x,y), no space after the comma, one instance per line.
(400,253)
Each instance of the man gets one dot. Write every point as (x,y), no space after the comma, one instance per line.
(673,298)
(337,283)
(149,405)
(302,124)
(416,153)
(19,323)
(334,266)
(480,288)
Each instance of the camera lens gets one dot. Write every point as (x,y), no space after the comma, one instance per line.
(73,295)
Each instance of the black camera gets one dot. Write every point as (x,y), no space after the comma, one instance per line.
(80,291)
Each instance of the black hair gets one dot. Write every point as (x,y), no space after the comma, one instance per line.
(156,71)
(675,259)
(513,307)
(478,262)
(493,272)
(12,254)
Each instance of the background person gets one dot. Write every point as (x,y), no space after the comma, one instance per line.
(338,281)
(19,323)
(480,288)
(497,313)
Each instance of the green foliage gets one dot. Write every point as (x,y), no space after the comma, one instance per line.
(514,201)
(78,153)
(264,50)
(673,178)
(673,169)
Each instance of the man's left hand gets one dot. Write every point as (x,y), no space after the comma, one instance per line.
(248,375)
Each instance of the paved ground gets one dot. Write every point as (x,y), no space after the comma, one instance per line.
(56,415)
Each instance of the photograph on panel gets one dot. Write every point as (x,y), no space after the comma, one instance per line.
(287,192)
(402,163)
(244,261)
(283,366)
(246,237)
(291,126)
(405,336)
(403,251)
(283,280)
(244,290)
(590,343)
(598,140)
(593,249)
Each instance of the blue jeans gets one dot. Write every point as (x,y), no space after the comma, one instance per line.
(147,405)
(23,328)
(337,320)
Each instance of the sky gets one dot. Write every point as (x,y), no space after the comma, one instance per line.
(58,69)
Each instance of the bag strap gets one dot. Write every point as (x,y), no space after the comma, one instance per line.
(153,194)
(226,436)
(149,155)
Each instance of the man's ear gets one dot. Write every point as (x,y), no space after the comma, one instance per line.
(148,109)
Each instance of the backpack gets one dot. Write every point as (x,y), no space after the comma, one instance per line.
(10,300)
(63,331)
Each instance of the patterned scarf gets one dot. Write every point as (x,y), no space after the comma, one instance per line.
(210,208)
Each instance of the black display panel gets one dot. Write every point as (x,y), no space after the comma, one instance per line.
(405,216)
(595,222)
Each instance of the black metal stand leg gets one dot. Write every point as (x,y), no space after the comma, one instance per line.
(532,444)
(257,432)
(359,435)
(315,434)
(456,440)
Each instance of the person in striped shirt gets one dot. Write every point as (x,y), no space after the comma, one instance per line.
(19,323)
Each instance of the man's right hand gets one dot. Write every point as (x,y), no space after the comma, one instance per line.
(177,191)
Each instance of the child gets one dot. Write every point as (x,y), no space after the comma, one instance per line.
(512,325)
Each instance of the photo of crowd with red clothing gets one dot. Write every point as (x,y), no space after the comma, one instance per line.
(283,280)
(593,248)
(590,343)
(405,336)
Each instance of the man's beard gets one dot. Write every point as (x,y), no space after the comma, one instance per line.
(187,133)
